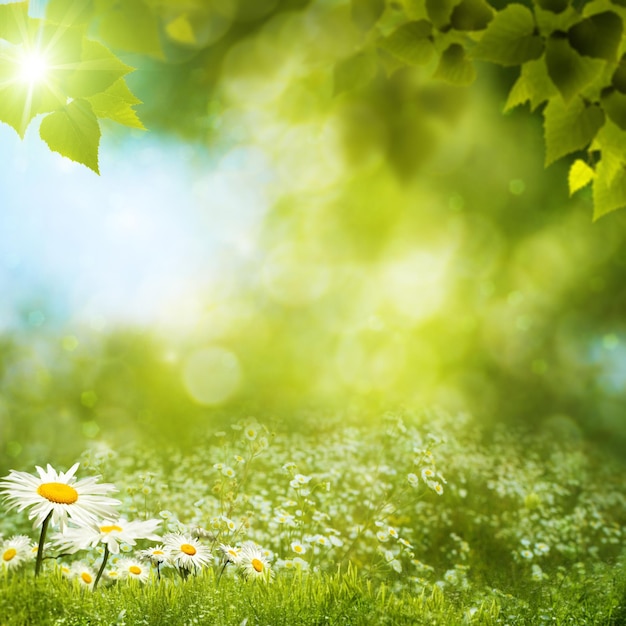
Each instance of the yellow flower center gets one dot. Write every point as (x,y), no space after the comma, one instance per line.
(86,576)
(133,569)
(297,548)
(188,549)
(110,529)
(158,552)
(60,493)
(9,554)
(257,565)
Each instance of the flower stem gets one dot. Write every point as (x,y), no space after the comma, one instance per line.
(105,558)
(42,540)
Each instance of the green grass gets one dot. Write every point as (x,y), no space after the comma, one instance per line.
(523,532)
(341,598)
(311,599)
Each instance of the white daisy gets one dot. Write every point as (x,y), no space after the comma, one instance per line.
(253,563)
(110,532)
(229,553)
(157,555)
(83,574)
(15,551)
(427,474)
(58,495)
(132,569)
(186,552)
(298,547)
(251,431)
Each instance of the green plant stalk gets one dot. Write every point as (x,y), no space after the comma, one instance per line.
(105,558)
(42,540)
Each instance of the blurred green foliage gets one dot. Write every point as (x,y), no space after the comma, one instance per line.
(417,251)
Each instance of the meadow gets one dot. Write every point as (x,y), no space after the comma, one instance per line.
(421,518)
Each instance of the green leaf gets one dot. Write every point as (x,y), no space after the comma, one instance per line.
(618,80)
(614,104)
(471,15)
(180,30)
(597,36)
(549,22)
(365,13)
(610,141)
(355,71)
(15,108)
(13,21)
(509,38)
(130,25)
(455,67)
(533,85)
(98,70)
(569,71)
(609,192)
(73,132)
(580,175)
(569,128)
(69,12)
(556,6)
(412,42)
(116,103)
(440,11)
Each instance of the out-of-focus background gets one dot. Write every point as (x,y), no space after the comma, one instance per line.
(287,243)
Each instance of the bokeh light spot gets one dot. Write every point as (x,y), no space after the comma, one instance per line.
(416,284)
(212,375)
(370,360)
(517,187)
(295,276)
(90,429)
(610,342)
(69,343)
(89,399)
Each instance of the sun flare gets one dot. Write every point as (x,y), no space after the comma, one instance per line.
(33,67)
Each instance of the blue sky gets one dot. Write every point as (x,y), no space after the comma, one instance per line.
(164,224)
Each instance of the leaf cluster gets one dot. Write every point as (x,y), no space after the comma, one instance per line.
(572,66)
(80,80)
(570,55)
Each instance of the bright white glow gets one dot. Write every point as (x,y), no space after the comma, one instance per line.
(416,284)
(211,375)
(150,244)
(32,67)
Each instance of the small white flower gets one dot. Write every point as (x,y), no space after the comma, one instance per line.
(298,547)
(427,474)
(299,480)
(229,553)
(186,552)
(15,551)
(83,574)
(132,569)
(251,432)
(253,563)
(156,555)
